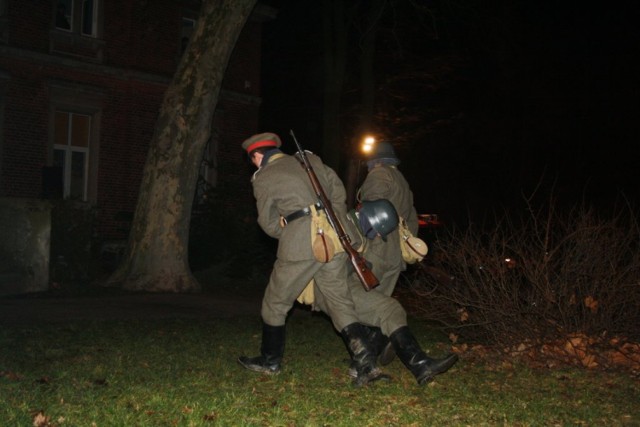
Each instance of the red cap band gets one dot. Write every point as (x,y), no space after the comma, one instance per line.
(264,143)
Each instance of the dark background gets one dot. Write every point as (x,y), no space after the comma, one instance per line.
(488,104)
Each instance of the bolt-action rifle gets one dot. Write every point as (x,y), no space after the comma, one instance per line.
(366,276)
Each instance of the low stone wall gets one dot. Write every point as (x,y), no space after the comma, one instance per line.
(25,233)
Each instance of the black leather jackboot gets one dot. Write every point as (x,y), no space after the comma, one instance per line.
(271,351)
(382,346)
(362,353)
(421,366)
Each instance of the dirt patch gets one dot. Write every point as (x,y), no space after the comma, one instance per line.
(49,307)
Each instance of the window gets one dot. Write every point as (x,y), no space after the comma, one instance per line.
(209,167)
(78,17)
(64,15)
(4,27)
(89,18)
(75,114)
(188,25)
(4,78)
(72,133)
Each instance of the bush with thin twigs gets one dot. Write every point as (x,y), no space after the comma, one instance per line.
(535,280)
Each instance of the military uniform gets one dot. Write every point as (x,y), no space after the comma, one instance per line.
(283,190)
(282,187)
(374,309)
(386,182)
(386,318)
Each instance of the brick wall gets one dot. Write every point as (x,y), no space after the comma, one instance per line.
(127,126)
(143,35)
(136,60)
(24,131)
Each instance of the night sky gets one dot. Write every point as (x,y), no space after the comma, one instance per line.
(486,106)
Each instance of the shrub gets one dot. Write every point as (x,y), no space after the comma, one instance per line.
(535,279)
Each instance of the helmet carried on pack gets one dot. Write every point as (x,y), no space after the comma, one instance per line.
(377,217)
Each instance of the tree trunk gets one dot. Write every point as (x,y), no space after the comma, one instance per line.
(375,9)
(335,58)
(367,78)
(157,258)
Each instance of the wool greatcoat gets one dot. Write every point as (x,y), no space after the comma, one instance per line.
(372,308)
(387,182)
(282,187)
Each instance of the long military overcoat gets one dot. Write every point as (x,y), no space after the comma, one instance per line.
(387,182)
(282,187)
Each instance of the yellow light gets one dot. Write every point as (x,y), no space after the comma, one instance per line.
(367,144)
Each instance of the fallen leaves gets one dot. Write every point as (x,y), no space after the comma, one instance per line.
(627,354)
(212,417)
(43,380)
(574,349)
(10,375)
(463,314)
(591,304)
(41,420)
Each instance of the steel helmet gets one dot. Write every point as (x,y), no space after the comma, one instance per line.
(377,217)
(383,151)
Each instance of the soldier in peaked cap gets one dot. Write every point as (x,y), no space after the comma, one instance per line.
(285,200)
(260,140)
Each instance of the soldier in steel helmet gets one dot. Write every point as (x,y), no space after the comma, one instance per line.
(382,314)
(285,200)
(385,181)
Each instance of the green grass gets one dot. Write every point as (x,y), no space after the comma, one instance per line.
(184,373)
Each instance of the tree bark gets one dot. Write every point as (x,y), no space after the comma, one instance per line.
(157,258)
(335,59)
(375,9)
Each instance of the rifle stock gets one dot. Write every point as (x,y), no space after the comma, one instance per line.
(366,276)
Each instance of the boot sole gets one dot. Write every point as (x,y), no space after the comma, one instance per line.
(371,378)
(429,376)
(258,368)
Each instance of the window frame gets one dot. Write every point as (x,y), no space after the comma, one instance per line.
(68,150)
(4,79)
(94,19)
(78,19)
(186,32)
(4,22)
(78,99)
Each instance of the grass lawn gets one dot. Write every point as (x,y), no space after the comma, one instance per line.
(184,373)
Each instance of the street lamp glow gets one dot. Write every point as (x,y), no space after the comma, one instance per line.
(367,144)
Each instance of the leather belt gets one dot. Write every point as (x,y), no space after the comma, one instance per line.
(302,212)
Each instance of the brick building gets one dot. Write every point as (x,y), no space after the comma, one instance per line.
(81,82)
